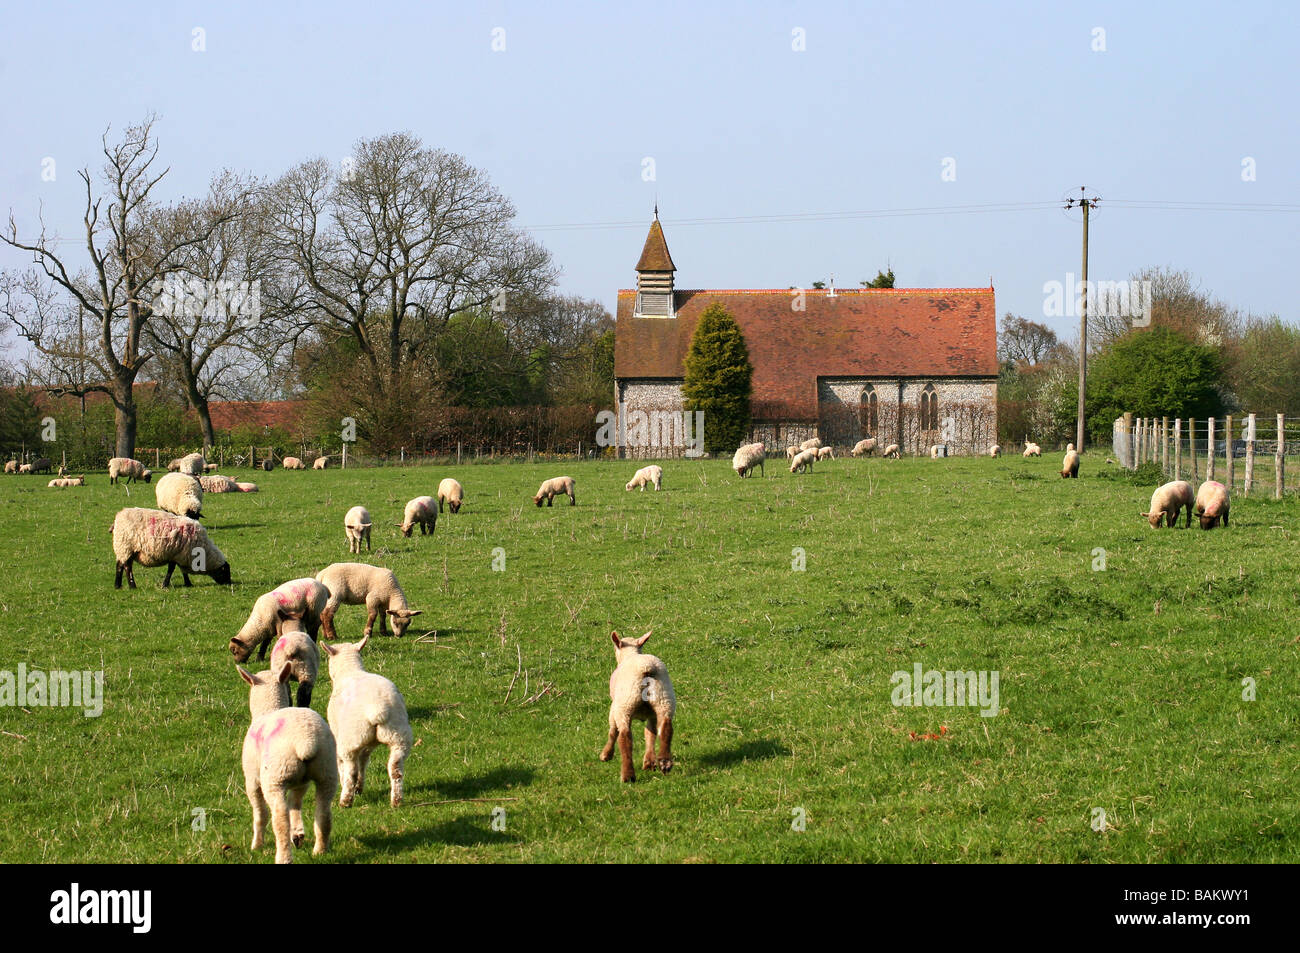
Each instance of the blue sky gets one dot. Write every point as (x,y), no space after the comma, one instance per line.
(737,121)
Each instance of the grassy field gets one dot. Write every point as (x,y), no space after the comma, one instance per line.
(1120,688)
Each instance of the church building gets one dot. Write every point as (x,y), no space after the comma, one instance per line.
(912,366)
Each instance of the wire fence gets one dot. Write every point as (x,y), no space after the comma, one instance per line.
(1250,454)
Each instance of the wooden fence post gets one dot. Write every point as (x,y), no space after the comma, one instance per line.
(1281,456)
(1227,446)
(1250,455)
(1164,444)
(1178,448)
(1209,448)
(1126,430)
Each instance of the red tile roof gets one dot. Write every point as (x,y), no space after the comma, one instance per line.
(258,413)
(878,332)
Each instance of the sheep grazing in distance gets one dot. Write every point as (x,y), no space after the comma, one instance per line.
(181,494)
(803,461)
(210,467)
(191,464)
(320,463)
(451,493)
(422,510)
(639,690)
(1167,500)
(557,486)
(285,750)
(826,453)
(865,448)
(790,452)
(365,711)
(812,443)
(995,451)
(356,527)
(155,538)
(68,481)
(216,483)
(132,470)
(293,463)
(11,466)
(747,457)
(652,474)
(892,451)
(305,599)
(1212,504)
(246,487)
(1070,465)
(376,588)
(26,468)
(296,651)
(42,465)
(934,452)
(1032,450)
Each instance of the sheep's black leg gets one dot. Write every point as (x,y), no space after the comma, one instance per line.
(167,579)
(117,581)
(186,576)
(130,573)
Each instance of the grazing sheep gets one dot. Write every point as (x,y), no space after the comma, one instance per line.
(934,452)
(174,464)
(305,599)
(320,463)
(891,451)
(296,651)
(68,481)
(293,463)
(790,452)
(995,451)
(126,467)
(451,493)
(1167,500)
(639,690)
(11,466)
(826,453)
(25,468)
(652,474)
(246,487)
(747,457)
(557,486)
(42,465)
(1070,465)
(216,483)
(365,711)
(155,538)
(812,443)
(356,527)
(1032,450)
(865,447)
(181,494)
(422,510)
(803,461)
(210,467)
(285,750)
(191,464)
(1212,504)
(376,588)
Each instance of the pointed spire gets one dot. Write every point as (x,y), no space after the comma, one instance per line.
(654,256)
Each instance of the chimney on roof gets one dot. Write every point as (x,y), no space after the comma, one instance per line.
(654,275)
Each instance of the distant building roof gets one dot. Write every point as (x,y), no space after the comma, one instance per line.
(227,414)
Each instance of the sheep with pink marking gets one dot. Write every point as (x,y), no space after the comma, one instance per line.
(296,651)
(305,599)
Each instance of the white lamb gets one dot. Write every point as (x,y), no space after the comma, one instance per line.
(356,527)
(865,447)
(155,538)
(995,451)
(11,466)
(293,463)
(181,494)
(246,487)
(934,452)
(639,690)
(285,750)
(68,481)
(320,463)
(1032,450)
(826,453)
(803,461)
(296,651)
(747,457)
(790,452)
(365,711)
(451,493)
(422,510)
(812,443)
(376,588)
(556,486)
(191,464)
(891,451)
(304,598)
(653,474)
(126,467)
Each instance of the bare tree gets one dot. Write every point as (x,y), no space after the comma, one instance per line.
(131,246)
(1025,342)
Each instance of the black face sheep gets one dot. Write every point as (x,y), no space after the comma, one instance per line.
(422,510)
(132,470)
(639,690)
(558,486)
(296,651)
(155,538)
(1166,501)
(181,494)
(305,598)
(285,750)
(376,588)
(1212,504)
(365,710)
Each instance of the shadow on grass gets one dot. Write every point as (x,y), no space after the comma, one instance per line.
(476,785)
(757,750)
(461,832)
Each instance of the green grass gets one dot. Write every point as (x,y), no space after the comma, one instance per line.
(1119,689)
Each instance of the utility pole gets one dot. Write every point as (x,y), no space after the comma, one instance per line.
(1086,204)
